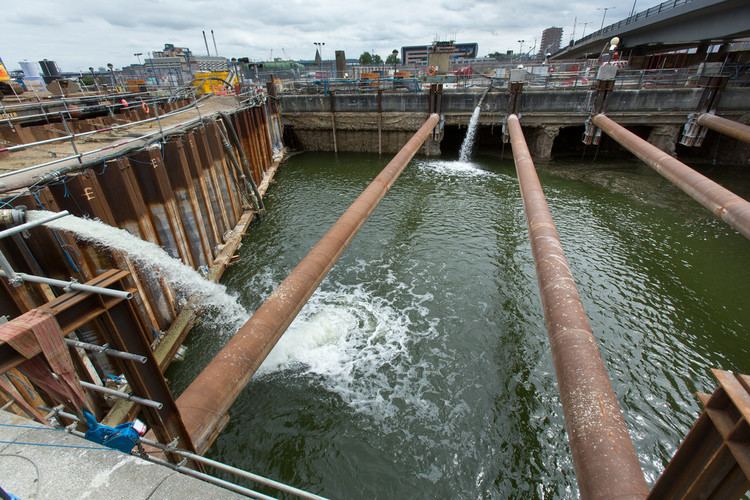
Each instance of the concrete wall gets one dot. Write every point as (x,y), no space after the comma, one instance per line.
(359,127)
(534,101)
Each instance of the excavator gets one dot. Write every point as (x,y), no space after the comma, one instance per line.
(8,86)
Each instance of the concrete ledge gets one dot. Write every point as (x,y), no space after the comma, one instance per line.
(43,462)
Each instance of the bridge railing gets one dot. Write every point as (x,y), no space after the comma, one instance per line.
(626,79)
(540,77)
(616,27)
(738,73)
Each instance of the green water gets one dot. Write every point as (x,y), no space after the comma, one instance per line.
(421,368)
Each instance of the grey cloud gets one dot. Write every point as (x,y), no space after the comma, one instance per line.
(92,32)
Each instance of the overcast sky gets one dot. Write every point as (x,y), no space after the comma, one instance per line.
(82,33)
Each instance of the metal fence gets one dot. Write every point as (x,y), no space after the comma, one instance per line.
(617,27)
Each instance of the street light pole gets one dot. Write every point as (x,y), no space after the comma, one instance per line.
(605,9)
(138,55)
(319,50)
(584,28)
(96,84)
(112,74)
(632,11)
(520,49)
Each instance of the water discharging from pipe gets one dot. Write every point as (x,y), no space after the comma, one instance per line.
(154,262)
(468,144)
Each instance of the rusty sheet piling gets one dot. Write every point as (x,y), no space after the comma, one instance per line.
(730,128)
(184,194)
(205,403)
(723,203)
(605,461)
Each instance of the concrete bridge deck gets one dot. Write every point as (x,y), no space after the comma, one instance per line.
(674,23)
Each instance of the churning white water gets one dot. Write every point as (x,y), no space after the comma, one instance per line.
(468,144)
(154,262)
(458,168)
(358,345)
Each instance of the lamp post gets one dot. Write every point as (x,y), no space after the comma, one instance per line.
(520,49)
(320,46)
(632,11)
(395,62)
(96,84)
(584,28)
(138,55)
(111,68)
(605,9)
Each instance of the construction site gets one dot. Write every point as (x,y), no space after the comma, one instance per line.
(222,278)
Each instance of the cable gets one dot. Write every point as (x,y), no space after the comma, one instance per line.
(53,445)
(38,480)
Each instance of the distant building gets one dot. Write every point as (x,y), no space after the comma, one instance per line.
(418,55)
(171,51)
(551,39)
(209,63)
(173,66)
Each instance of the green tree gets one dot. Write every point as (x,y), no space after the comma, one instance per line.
(393,59)
(377,60)
(365,59)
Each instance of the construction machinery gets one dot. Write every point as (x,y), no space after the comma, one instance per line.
(8,86)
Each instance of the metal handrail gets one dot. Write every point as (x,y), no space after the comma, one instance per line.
(111,146)
(657,9)
(57,411)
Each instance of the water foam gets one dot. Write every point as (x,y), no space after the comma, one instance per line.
(468,145)
(359,346)
(152,260)
(454,168)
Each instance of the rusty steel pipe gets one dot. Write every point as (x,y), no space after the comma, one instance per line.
(723,203)
(730,128)
(603,454)
(206,401)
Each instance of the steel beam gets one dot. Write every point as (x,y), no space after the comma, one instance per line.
(603,454)
(207,400)
(730,128)
(723,203)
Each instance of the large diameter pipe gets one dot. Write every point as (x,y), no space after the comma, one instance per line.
(723,203)
(206,401)
(603,454)
(730,128)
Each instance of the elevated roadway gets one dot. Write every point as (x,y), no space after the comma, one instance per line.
(671,24)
